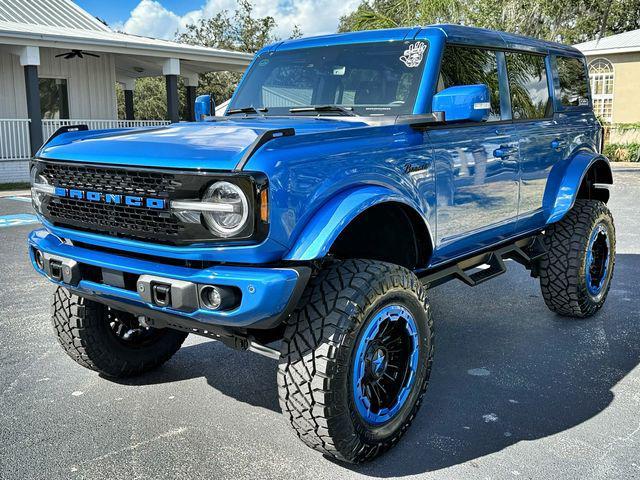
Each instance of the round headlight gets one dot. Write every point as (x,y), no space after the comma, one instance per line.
(37,195)
(234,211)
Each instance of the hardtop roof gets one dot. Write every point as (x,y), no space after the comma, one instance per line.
(452,33)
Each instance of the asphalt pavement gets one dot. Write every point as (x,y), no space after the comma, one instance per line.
(516,391)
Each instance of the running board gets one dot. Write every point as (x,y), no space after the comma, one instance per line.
(487,265)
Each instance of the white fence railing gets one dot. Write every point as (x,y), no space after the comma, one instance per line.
(49,126)
(14,133)
(14,139)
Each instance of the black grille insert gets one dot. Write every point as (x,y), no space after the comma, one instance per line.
(140,222)
(99,179)
(118,220)
(115,219)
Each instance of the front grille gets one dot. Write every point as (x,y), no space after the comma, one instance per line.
(158,225)
(139,223)
(115,219)
(124,181)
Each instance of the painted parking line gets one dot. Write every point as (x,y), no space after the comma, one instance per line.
(20,199)
(16,220)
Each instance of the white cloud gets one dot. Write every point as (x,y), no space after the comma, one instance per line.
(151,19)
(314,17)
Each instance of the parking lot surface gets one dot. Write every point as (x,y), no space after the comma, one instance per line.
(516,391)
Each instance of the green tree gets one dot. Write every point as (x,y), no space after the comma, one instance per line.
(237,30)
(150,99)
(567,21)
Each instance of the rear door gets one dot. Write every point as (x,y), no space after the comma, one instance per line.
(476,163)
(541,137)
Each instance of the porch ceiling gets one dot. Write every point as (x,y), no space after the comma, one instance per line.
(137,66)
(131,51)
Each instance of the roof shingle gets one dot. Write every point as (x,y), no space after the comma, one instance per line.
(622,42)
(52,13)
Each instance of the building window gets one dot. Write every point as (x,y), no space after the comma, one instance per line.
(601,79)
(54,99)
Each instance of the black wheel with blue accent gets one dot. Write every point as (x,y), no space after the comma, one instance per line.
(356,359)
(576,274)
(109,341)
(385,364)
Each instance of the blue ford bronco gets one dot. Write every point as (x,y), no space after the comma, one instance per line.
(349,174)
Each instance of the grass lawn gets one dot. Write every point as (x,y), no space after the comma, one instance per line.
(14,186)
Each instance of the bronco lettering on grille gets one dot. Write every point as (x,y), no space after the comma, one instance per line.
(111,198)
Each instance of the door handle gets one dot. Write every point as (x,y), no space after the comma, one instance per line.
(558,144)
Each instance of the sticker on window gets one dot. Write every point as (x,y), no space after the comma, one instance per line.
(413,55)
(583,102)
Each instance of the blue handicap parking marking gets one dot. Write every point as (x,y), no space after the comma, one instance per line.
(20,199)
(16,220)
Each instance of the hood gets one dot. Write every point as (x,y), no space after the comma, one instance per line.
(217,145)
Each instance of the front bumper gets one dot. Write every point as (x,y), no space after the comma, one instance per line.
(268,295)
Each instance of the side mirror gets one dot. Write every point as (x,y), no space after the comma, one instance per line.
(463,103)
(204,106)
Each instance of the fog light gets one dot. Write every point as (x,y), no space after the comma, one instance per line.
(211,297)
(37,254)
(215,297)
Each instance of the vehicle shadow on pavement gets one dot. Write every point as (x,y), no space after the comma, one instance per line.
(506,370)
(244,376)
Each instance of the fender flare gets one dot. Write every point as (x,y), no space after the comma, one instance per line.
(324,227)
(565,180)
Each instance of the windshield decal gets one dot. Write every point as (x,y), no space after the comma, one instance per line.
(413,55)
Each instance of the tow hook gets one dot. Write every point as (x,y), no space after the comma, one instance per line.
(161,294)
(168,292)
(58,268)
(55,269)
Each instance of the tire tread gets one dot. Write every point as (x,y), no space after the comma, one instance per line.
(313,355)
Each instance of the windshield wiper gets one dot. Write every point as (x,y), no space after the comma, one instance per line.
(324,108)
(259,111)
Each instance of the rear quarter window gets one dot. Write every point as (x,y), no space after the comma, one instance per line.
(572,74)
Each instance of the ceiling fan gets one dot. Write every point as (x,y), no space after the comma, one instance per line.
(76,53)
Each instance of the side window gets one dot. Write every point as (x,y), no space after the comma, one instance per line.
(471,66)
(573,82)
(528,86)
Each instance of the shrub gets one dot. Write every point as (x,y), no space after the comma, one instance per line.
(617,152)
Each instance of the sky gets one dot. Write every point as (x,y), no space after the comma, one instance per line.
(163,18)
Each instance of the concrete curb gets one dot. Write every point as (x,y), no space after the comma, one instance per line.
(621,165)
(15,193)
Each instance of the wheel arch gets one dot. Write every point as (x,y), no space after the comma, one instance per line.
(583,176)
(343,226)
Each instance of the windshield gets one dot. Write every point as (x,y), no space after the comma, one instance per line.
(364,79)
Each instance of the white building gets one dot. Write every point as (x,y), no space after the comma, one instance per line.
(59,66)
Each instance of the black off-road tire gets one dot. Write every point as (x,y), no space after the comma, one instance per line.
(83,330)
(315,370)
(563,277)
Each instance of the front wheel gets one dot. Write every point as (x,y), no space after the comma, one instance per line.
(109,341)
(575,276)
(356,359)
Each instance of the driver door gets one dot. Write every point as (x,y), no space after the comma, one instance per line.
(477,169)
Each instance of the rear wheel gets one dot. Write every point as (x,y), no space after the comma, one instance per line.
(109,341)
(575,276)
(356,359)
